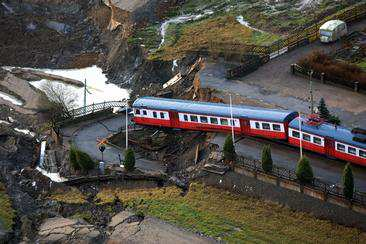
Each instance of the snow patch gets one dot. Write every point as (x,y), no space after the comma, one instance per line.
(10,98)
(55,177)
(4,122)
(98,88)
(25,132)
(175,65)
(245,23)
(179,20)
(173,80)
(8,8)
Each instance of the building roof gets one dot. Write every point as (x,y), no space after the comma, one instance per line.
(338,133)
(331,25)
(216,109)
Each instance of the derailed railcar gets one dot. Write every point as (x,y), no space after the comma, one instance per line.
(328,139)
(192,115)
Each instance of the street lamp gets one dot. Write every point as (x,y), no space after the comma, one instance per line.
(232,120)
(300,136)
(126,124)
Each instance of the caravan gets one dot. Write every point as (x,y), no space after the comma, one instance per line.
(332,31)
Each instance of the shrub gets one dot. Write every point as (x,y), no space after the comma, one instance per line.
(80,160)
(304,172)
(229,149)
(73,160)
(267,163)
(348,182)
(129,160)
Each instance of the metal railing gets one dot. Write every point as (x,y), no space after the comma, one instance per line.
(317,184)
(90,109)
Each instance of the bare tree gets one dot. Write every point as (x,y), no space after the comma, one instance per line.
(61,101)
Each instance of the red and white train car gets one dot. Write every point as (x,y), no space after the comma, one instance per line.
(192,115)
(330,140)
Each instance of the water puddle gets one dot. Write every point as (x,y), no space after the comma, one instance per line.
(98,90)
(10,98)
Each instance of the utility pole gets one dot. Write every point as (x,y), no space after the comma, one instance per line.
(300,137)
(232,120)
(85,96)
(126,124)
(311,92)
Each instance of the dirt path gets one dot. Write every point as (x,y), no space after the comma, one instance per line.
(274,84)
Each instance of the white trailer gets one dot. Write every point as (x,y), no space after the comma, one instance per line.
(332,31)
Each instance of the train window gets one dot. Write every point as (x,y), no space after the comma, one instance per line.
(144,112)
(341,147)
(162,115)
(185,117)
(306,137)
(276,127)
(257,125)
(352,150)
(137,111)
(155,114)
(203,119)
(224,122)
(295,134)
(362,153)
(266,126)
(194,118)
(317,140)
(214,121)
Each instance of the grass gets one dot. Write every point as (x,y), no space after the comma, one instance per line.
(7,213)
(362,64)
(70,196)
(230,217)
(85,215)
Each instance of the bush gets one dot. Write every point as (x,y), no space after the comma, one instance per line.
(336,71)
(80,160)
(304,172)
(348,182)
(129,160)
(267,162)
(229,149)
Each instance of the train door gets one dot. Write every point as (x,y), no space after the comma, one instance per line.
(174,119)
(329,147)
(245,126)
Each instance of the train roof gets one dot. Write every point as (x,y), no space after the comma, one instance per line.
(338,133)
(215,109)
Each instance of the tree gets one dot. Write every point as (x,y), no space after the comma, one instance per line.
(229,149)
(267,162)
(323,110)
(129,160)
(73,160)
(348,182)
(334,120)
(304,172)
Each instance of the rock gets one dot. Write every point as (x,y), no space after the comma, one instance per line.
(125,231)
(119,218)
(60,229)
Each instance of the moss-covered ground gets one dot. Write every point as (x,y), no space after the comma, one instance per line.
(232,218)
(7,213)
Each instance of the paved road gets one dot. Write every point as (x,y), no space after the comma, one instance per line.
(286,156)
(274,85)
(85,137)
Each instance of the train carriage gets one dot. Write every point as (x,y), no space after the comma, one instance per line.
(192,115)
(333,141)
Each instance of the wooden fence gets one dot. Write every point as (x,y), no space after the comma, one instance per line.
(327,188)
(327,78)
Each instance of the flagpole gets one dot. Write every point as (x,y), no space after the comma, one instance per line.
(232,120)
(300,125)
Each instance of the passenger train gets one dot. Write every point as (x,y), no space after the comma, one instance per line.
(315,135)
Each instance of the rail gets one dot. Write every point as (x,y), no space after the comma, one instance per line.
(89,109)
(326,187)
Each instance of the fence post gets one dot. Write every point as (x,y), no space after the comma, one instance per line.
(103,105)
(356,88)
(293,69)
(93,109)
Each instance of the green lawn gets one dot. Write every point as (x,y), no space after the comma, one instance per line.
(230,217)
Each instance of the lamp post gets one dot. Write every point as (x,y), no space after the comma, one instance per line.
(126,124)
(232,120)
(300,136)
(311,92)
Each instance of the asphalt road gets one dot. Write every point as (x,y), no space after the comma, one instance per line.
(286,156)
(86,136)
(273,84)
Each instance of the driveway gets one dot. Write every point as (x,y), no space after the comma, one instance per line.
(86,135)
(273,85)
